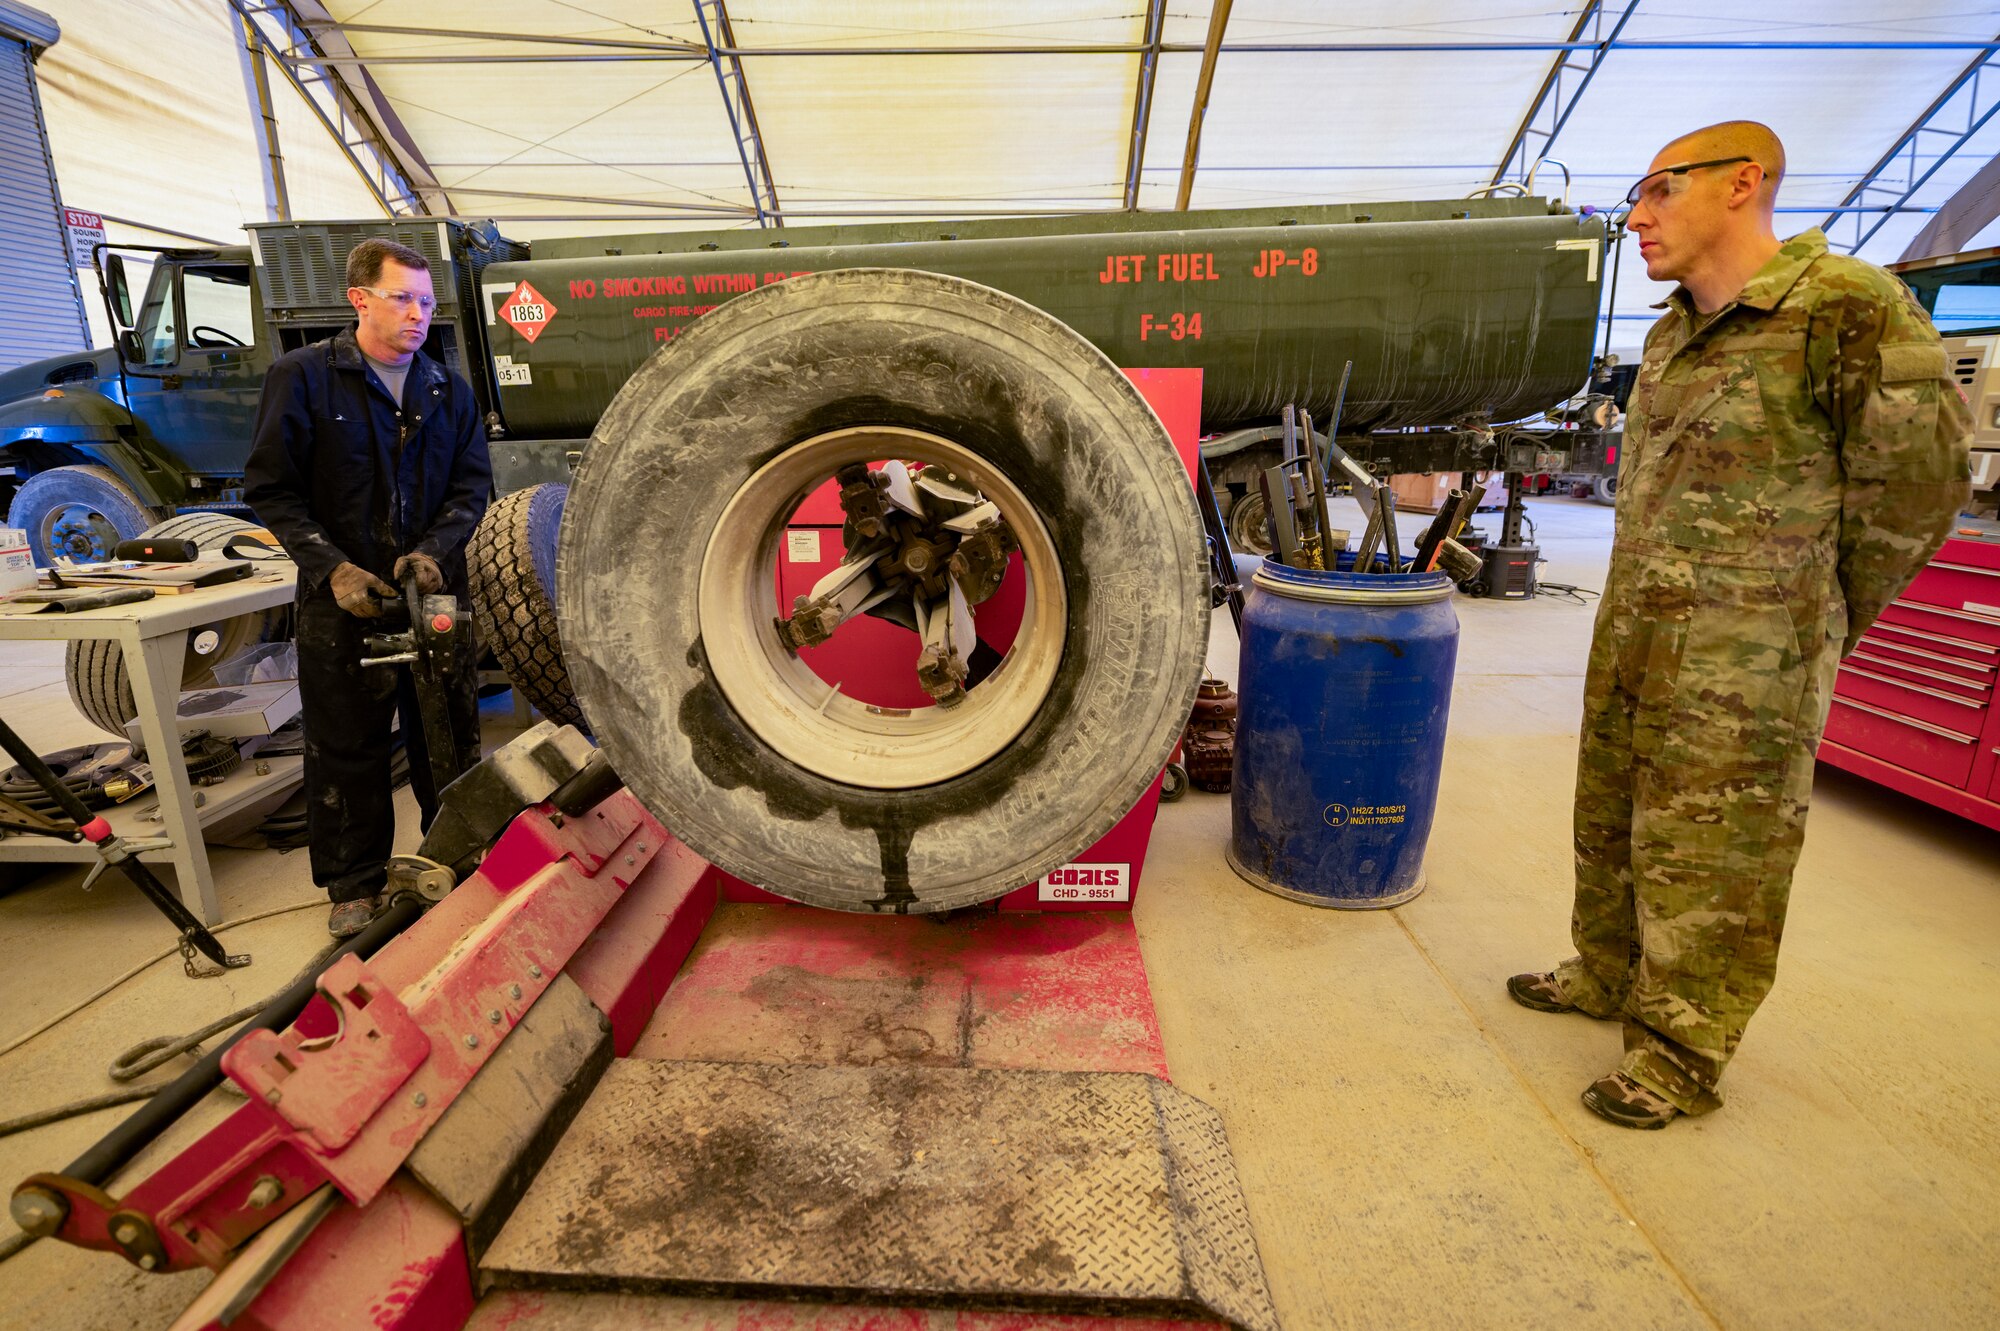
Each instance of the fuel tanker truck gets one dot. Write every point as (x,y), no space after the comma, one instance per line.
(661,405)
(1458,316)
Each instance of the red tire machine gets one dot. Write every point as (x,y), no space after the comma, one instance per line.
(540,932)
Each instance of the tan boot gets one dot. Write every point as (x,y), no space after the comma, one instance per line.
(1541,991)
(1616,1098)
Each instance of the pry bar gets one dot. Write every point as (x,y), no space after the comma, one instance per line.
(1330,555)
(1223,582)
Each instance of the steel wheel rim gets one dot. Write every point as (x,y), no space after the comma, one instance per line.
(71,526)
(804,719)
(1247,531)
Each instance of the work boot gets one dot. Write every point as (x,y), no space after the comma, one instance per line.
(351,917)
(1616,1098)
(1541,991)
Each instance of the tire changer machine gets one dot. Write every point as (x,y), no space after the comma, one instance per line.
(442,1126)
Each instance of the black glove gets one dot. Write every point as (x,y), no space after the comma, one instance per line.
(355,590)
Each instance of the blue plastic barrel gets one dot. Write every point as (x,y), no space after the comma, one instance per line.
(1344,685)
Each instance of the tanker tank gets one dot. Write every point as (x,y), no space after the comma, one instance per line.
(1468,310)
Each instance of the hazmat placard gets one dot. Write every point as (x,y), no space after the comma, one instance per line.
(528,310)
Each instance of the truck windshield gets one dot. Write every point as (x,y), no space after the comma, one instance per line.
(1961,298)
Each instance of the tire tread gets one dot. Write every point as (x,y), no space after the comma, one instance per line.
(94,668)
(516,613)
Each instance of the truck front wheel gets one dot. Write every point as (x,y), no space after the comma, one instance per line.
(78,515)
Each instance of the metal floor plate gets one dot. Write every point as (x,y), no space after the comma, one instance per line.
(1080,1192)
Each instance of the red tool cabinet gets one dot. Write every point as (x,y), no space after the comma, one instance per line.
(1914,706)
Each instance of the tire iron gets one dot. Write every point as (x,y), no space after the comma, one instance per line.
(1295,499)
(1381,531)
(1278,513)
(1385,502)
(1317,480)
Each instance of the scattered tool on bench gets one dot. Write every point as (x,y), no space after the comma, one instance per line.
(69,602)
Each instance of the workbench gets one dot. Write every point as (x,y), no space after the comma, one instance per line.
(153,635)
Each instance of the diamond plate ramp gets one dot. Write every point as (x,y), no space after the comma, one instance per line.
(1068,1192)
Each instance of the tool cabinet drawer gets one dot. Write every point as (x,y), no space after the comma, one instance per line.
(1938,752)
(1956,653)
(1948,678)
(1937,707)
(1960,586)
(1958,632)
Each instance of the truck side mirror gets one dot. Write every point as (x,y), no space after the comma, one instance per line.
(129,348)
(121,291)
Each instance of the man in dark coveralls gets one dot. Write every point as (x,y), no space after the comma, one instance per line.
(369,463)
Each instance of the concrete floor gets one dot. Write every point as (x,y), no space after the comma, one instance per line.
(1410,1141)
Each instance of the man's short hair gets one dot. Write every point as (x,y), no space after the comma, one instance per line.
(364,261)
(1738,138)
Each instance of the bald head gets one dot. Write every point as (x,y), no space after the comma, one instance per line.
(1702,213)
(1733,138)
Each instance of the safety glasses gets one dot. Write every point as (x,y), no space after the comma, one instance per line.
(403,300)
(1674,179)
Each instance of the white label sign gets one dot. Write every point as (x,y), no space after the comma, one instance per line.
(511,373)
(1978,609)
(1086,882)
(85,231)
(802,547)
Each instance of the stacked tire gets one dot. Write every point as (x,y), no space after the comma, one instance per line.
(99,683)
(511,564)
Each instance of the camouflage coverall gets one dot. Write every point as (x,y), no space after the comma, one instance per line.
(1790,463)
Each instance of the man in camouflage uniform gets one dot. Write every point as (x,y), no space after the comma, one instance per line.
(1794,453)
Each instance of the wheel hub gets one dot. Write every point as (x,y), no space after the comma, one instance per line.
(80,534)
(925,543)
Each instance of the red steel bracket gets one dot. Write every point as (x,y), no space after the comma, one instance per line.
(345,1095)
(327,1087)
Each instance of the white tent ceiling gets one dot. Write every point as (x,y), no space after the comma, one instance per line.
(559,117)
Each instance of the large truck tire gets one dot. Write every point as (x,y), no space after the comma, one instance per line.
(1604,489)
(666,582)
(78,515)
(511,562)
(94,668)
